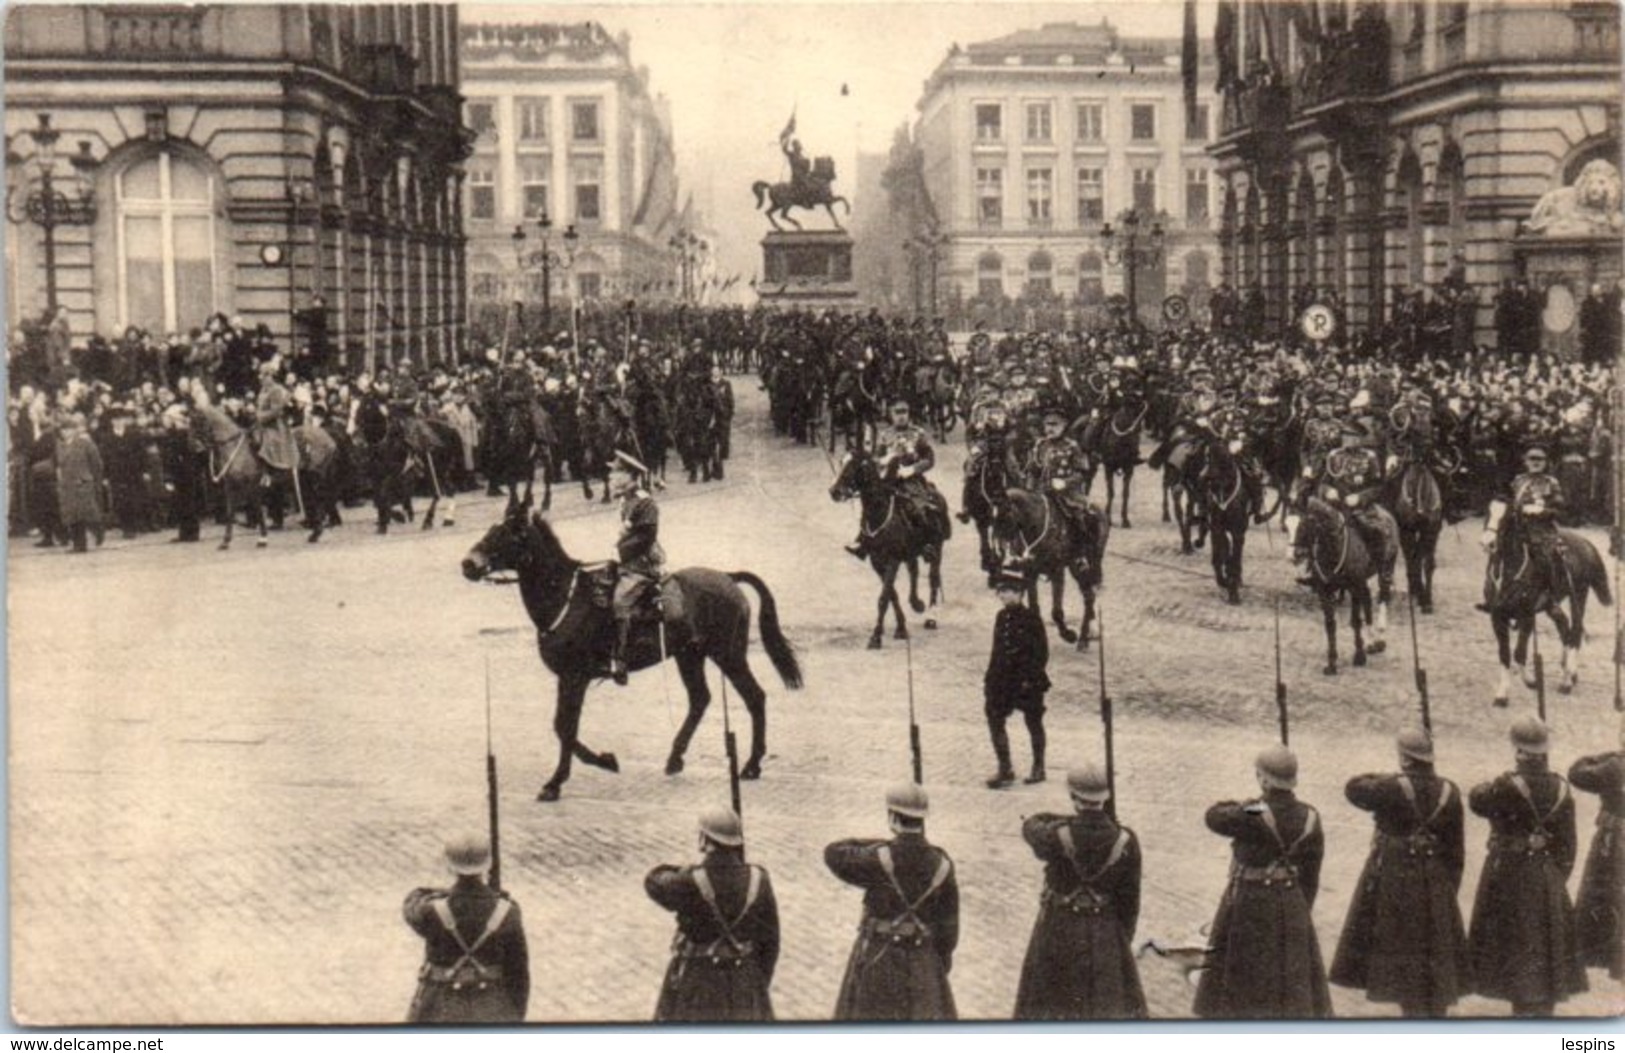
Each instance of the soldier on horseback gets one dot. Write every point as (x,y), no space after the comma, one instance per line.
(637,551)
(906,455)
(1538,498)
(1354,481)
(1057,468)
(273,438)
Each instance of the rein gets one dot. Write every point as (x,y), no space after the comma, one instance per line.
(1132,428)
(242,439)
(1026,547)
(1342,557)
(891,506)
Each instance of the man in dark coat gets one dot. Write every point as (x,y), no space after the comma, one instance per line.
(1016,677)
(1404,940)
(723,394)
(1079,964)
(727,943)
(476,967)
(1264,959)
(182,478)
(1522,934)
(79,481)
(125,456)
(905,948)
(1601,901)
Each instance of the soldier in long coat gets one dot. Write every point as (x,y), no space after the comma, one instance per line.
(905,947)
(1264,958)
(1404,940)
(1079,963)
(273,435)
(727,942)
(79,480)
(1602,884)
(476,967)
(1016,678)
(1522,934)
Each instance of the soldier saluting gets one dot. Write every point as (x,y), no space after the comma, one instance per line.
(905,947)
(1404,940)
(727,941)
(1601,901)
(476,967)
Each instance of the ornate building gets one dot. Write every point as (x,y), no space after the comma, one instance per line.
(567,129)
(1369,150)
(253,159)
(1032,142)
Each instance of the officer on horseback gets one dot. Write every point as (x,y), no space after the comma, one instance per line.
(1354,482)
(272,436)
(906,455)
(1537,496)
(1057,467)
(989,434)
(637,551)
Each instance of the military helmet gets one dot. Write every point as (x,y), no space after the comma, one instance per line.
(908,799)
(468,852)
(1088,782)
(1529,735)
(1416,743)
(722,825)
(1280,764)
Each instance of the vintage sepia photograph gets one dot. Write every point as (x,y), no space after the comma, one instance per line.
(814,512)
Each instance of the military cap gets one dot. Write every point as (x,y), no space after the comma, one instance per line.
(1280,764)
(1010,578)
(908,799)
(722,825)
(468,853)
(897,401)
(1529,736)
(1088,782)
(1535,449)
(1053,413)
(1416,743)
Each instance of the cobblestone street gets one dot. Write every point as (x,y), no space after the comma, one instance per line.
(227,769)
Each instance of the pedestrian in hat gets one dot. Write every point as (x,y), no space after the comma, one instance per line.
(727,942)
(1016,677)
(1522,935)
(637,551)
(1601,900)
(1079,963)
(476,966)
(79,481)
(1404,940)
(905,947)
(1264,959)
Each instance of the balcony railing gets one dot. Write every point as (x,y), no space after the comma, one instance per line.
(153,31)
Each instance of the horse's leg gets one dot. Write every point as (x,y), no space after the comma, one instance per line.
(1057,606)
(317,501)
(1328,613)
(1503,647)
(736,668)
(1165,500)
(1430,549)
(933,568)
(901,630)
(257,506)
(1520,651)
(1128,485)
(428,513)
(572,692)
(1567,639)
(886,570)
(1359,611)
(915,604)
(1088,607)
(691,666)
(1111,493)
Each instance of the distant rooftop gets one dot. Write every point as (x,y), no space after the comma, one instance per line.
(538,37)
(1084,45)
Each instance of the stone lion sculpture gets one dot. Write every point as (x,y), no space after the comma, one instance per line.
(1590,206)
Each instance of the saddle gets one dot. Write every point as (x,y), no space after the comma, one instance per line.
(664,600)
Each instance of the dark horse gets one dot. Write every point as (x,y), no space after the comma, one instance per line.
(519,437)
(705,615)
(1419,511)
(893,540)
(244,475)
(985,482)
(782,197)
(1339,563)
(1041,542)
(416,453)
(1517,589)
(1117,449)
(1226,508)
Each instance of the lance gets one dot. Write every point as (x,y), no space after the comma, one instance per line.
(1106,720)
(491,787)
(731,746)
(1540,669)
(1420,674)
(1280,684)
(913,724)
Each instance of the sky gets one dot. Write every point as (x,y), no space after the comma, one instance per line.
(734,72)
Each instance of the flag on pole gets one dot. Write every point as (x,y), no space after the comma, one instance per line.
(1188,60)
(789,129)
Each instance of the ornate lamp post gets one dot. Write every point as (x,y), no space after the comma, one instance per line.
(42,203)
(930,245)
(547,259)
(688,248)
(1132,251)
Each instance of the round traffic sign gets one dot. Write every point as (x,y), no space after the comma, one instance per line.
(1318,322)
(1175,309)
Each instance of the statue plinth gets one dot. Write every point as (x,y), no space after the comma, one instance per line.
(807,268)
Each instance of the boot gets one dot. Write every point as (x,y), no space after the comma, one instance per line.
(857,549)
(1036,730)
(617,657)
(1006,775)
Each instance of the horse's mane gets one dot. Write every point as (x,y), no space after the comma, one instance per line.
(546,539)
(220,426)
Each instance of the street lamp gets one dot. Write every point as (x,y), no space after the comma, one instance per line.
(931,244)
(1133,251)
(689,248)
(49,207)
(547,259)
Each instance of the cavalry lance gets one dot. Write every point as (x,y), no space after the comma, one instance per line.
(1106,720)
(913,724)
(491,787)
(1280,685)
(1420,673)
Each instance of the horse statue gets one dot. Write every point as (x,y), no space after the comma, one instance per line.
(1517,589)
(702,614)
(1339,563)
(810,192)
(246,477)
(893,539)
(1041,541)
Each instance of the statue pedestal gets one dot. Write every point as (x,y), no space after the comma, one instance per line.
(807,268)
(1563,269)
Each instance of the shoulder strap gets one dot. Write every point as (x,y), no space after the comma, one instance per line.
(1119,846)
(499,913)
(944,868)
(1310,825)
(1446,789)
(708,892)
(1522,786)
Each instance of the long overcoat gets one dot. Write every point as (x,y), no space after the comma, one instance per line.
(727,942)
(1079,964)
(79,477)
(495,987)
(1404,939)
(1598,908)
(1264,958)
(900,962)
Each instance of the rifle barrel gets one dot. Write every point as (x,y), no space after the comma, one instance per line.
(1280,684)
(1106,719)
(491,787)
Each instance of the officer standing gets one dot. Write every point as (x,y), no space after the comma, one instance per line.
(637,550)
(1264,959)
(905,947)
(1079,965)
(1602,884)
(476,967)
(1522,935)
(1404,940)
(727,942)
(1016,677)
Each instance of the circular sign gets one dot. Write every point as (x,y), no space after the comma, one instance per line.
(271,255)
(1559,315)
(1318,323)
(1175,309)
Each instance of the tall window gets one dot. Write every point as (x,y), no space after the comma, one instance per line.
(989,122)
(166,243)
(1091,196)
(1038,122)
(482,116)
(532,120)
(1040,274)
(1142,122)
(1091,279)
(1091,122)
(1040,196)
(484,285)
(584,122)
(482,193)
(1196,124)
(588,177)
(989,276)
(591,286)
(1196,197)
(534,188)
(1145,189)
(990,196)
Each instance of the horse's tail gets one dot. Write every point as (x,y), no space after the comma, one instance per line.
(759,188)
(846,206)
(779,650)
